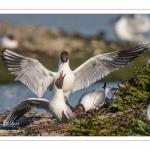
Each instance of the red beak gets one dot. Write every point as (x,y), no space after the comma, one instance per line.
(77,113)
(61,75)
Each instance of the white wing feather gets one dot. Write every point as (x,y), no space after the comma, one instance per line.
(24,107)
(100,66)
(29,71)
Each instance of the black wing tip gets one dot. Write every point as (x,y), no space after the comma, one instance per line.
(143,47)
(136,48)
(104,85)
(147,44)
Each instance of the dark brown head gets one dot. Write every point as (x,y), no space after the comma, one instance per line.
(11,37)
(64,56)
(59,81)
(79,109)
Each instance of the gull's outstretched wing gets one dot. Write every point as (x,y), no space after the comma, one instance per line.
(29,71)
(100,66)
(24,107)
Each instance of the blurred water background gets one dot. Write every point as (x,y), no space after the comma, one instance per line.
(13,94)
(86,25)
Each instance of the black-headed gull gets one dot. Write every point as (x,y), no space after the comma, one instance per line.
(133,28)
(92,100)
(34,75)
(57,106)
(8,41)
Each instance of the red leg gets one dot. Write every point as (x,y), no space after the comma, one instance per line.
(69,105)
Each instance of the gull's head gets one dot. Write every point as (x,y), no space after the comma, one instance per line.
(59,81)
(64,57)
(11,37)
(79,109)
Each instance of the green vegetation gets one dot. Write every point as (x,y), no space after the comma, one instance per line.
(126,114)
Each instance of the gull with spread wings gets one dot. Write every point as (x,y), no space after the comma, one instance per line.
(34,75)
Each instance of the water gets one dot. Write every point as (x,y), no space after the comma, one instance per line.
(13,94)
(85,24)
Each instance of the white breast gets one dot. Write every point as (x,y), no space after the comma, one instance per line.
(57,104)
(69,79)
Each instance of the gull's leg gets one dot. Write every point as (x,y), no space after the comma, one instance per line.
(67,103)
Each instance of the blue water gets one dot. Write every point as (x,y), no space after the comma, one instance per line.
(13,94)
(85,24)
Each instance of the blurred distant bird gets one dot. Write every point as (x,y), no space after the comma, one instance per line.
(133,28)
(8,41)
(33,74)
(56,106)
(92,100)
(148,113)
